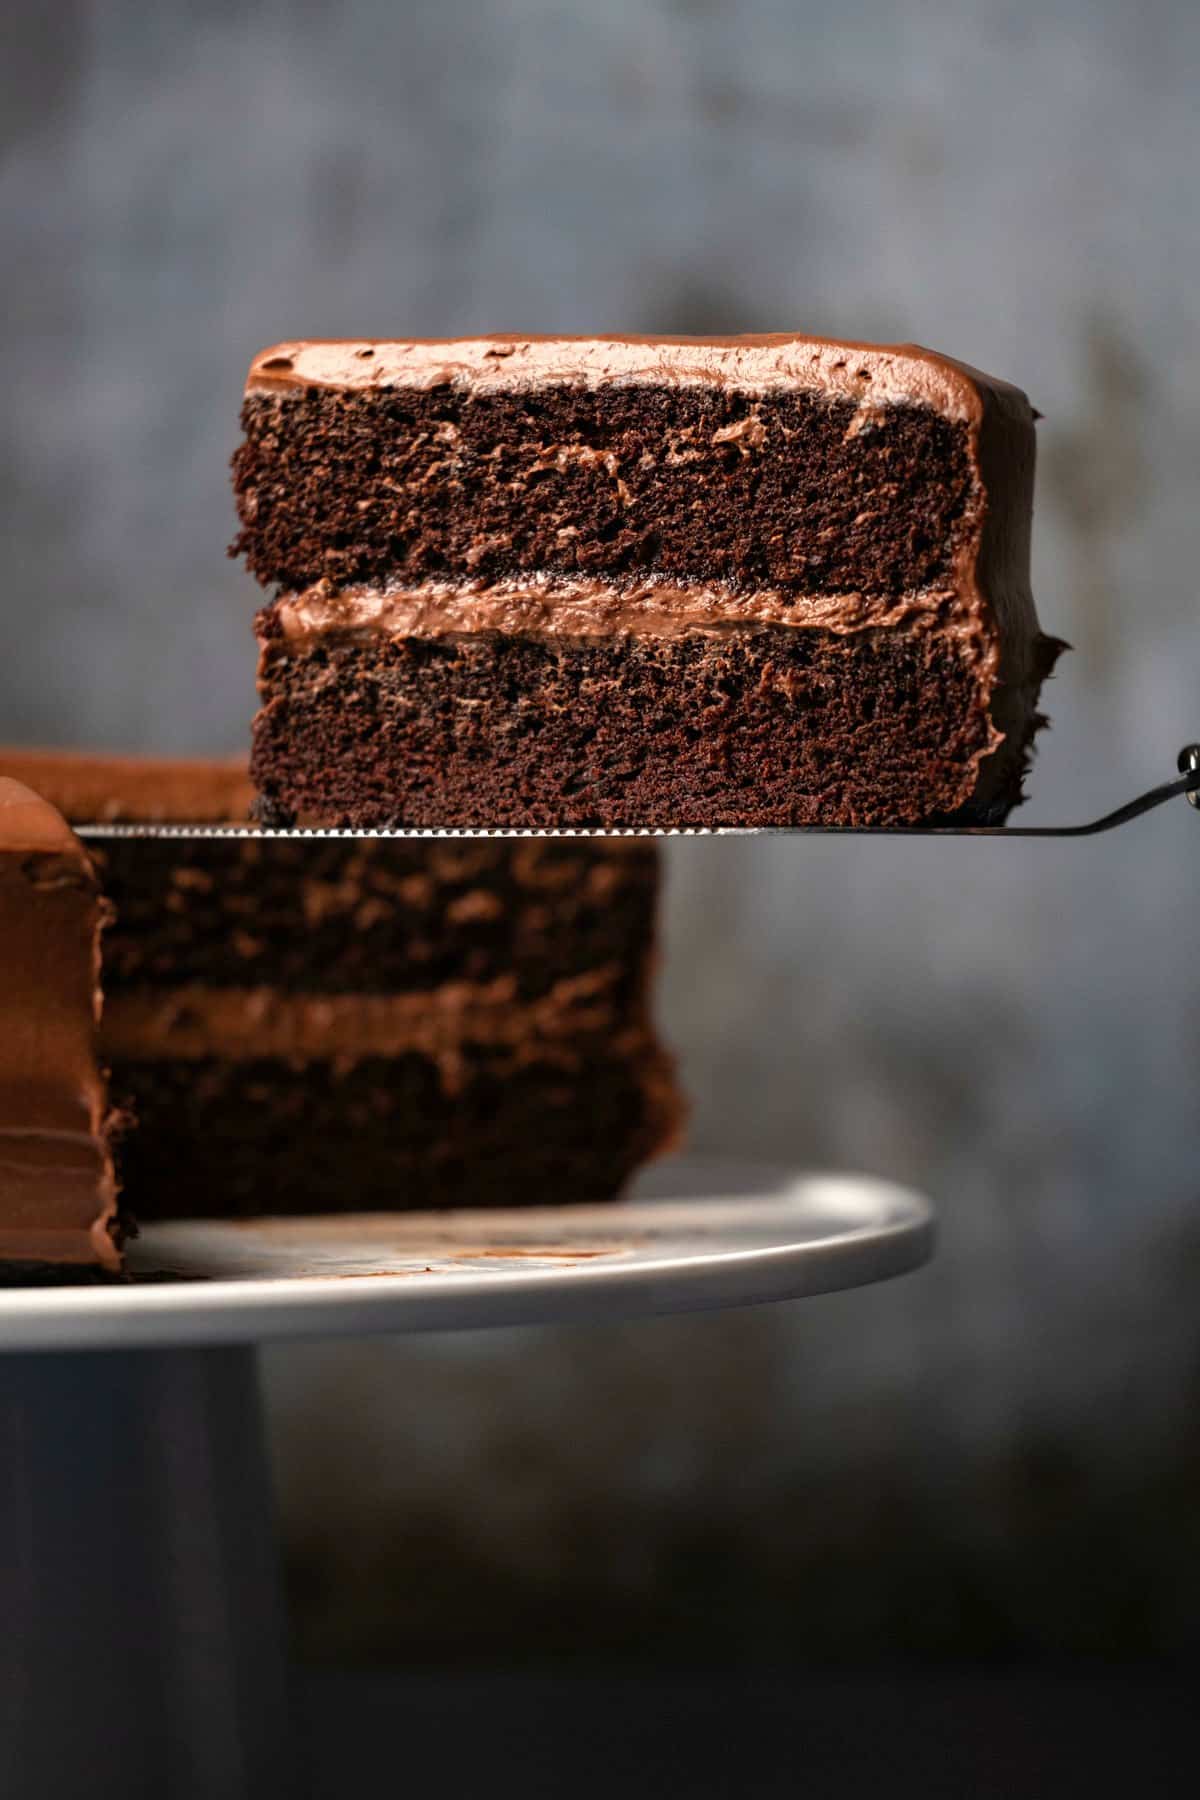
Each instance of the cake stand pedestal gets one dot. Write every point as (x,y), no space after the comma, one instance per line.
(141,1630)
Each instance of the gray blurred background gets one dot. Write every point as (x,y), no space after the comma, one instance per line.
(1001,1454)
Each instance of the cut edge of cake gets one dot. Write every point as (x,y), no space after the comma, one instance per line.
(274,1004)
(981,605)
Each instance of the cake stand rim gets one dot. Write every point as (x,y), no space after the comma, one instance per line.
(875,1228)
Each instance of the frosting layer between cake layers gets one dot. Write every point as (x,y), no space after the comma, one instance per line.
(243,1024)
(553,606)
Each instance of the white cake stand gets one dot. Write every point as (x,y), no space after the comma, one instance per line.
(141,1642)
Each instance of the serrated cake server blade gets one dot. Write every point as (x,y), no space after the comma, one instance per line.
(1186,783)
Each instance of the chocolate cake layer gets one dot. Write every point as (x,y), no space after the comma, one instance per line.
(623,498)
(777,460)
(58,1203)
(749,727)
(387,1134)
(362,917)
(701,484)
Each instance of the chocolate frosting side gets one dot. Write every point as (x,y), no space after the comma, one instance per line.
(108,789)
(58,1191)
(994,573)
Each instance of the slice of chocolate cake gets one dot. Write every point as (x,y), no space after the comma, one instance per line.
(638,582)
(308,1026)
(58,1193)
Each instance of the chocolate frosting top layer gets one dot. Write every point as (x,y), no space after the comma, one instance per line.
(871,374)
(137,790)
(58,1196)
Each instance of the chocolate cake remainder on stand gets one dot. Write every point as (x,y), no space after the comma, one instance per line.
(58,1191)
(638,582)
(307,1025)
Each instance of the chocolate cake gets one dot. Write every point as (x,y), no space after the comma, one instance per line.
(58,1192)
(638,582)
(306,1025)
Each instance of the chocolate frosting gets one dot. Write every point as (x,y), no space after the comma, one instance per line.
(87,788)
(872,374)
(58,1193)
(238,1024)
(443,1024)
(551,606)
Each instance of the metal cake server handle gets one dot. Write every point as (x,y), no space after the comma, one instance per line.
(1188,782)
